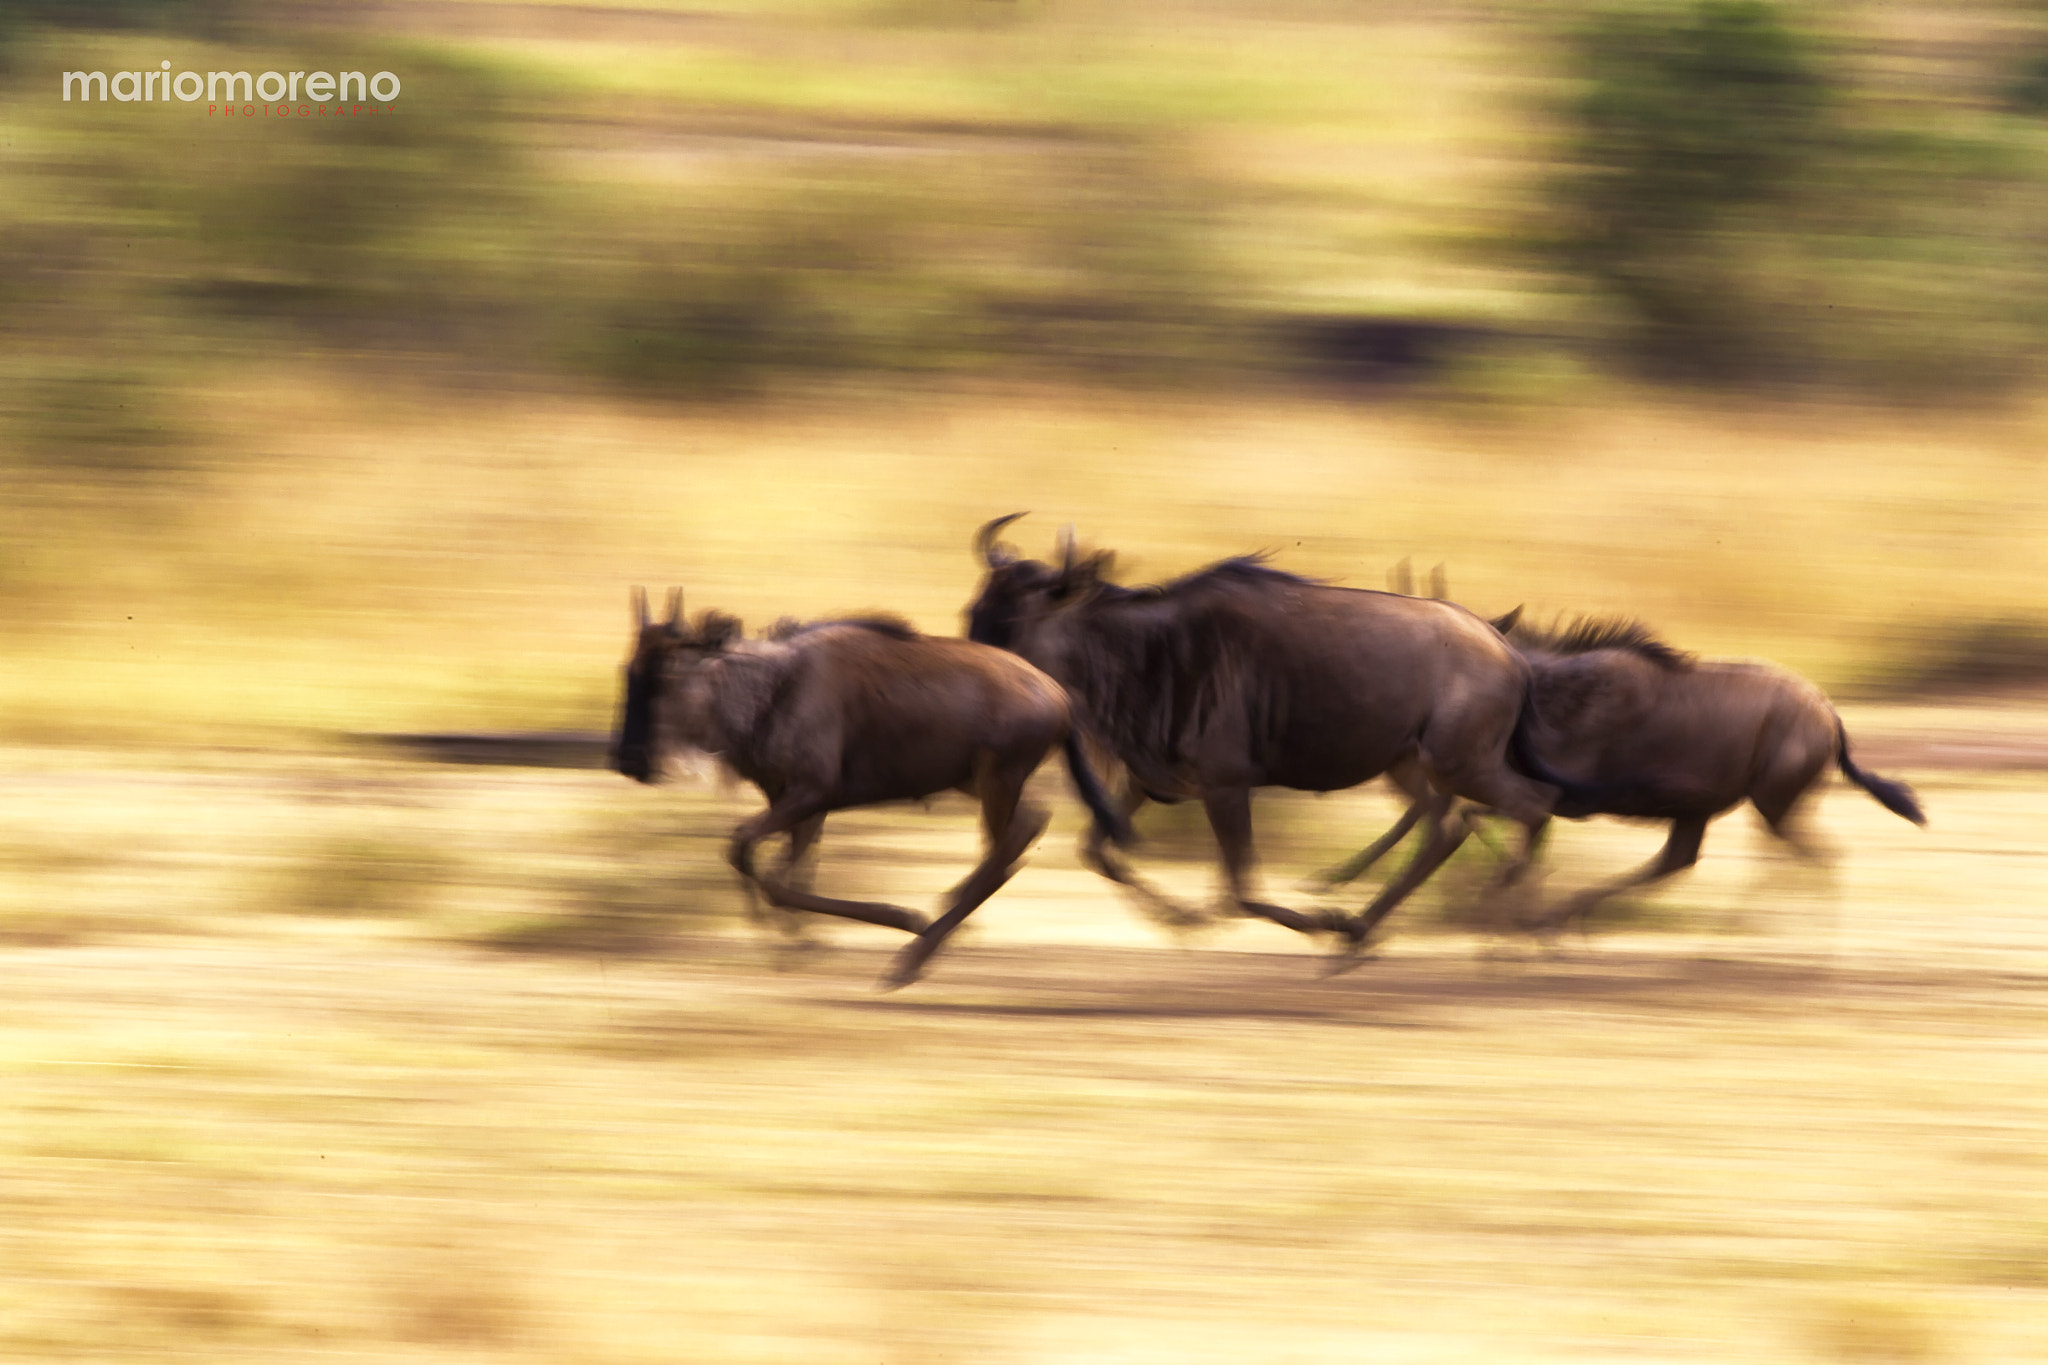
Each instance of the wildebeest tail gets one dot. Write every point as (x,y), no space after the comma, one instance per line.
(1107,819)
(1895,797)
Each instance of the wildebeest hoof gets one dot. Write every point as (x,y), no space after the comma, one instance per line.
(1549,933)
(1355,932)
(907,967)
(1346,959)
(1190,929)
(896,978)
(1177,918)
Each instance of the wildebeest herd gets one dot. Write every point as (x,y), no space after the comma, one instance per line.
(1234,677)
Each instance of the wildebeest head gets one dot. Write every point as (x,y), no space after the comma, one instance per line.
(1019,594)
(659,714)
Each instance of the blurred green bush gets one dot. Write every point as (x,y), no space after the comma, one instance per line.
(451,230)
(1090,260)
(19,17)
(404,217)
(1750,208)
(1738,198)
(1962,656)
(1689,130)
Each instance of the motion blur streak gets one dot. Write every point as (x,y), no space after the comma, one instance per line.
(328,447)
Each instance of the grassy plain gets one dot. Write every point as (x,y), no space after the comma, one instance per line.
(348,556)
(324,1056)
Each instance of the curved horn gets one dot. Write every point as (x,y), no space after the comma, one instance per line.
(639,607)
(675,608)
(992,554)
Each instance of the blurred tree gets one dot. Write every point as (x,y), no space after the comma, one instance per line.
(1096,259)
(1688,127)
(192,16)
(2028,92)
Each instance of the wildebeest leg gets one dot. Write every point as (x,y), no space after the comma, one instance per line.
(1788,822)
(1445,835)
(1795,834)
(788,812)
(1506,901)
(1408,777)
(1681,850)
(1230,816)
(797,867)
(1780,798)
(1504,909)
(1794,756)
(796,871)
(1098,853)
(1010,824)
(1472,763)
(1513,867)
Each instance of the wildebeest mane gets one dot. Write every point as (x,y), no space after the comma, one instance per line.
(878,622)
(1250,569)
(1157,677)
(1165,670)
(1587,634)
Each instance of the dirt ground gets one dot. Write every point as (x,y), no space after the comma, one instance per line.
(284,1087)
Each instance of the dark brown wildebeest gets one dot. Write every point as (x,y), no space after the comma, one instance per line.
(1240,676)
(1657,734)
(837,714)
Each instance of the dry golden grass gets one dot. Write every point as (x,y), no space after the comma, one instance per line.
(1788,1121)
(387,557)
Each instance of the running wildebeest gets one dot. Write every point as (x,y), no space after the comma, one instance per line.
(1240,676)
(1658,734)
(836,714)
